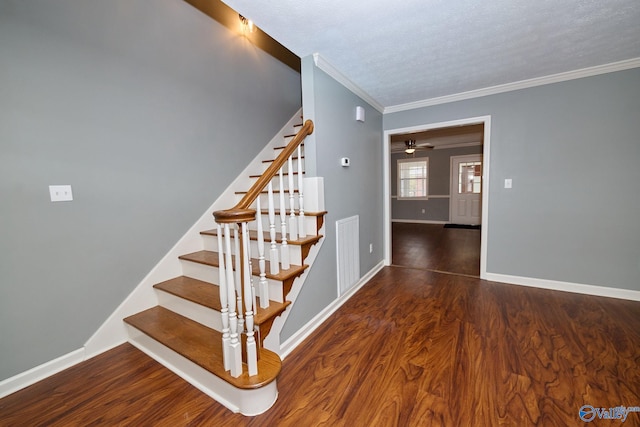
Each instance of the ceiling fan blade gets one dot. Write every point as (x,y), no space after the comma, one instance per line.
(424,145)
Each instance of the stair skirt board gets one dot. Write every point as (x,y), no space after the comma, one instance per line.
(112,333)
(247,402)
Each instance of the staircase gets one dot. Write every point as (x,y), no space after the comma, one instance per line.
(211,322)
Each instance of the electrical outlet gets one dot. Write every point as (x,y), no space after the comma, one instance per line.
(60,193)
(423,210)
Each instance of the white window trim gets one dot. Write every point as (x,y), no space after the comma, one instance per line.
(412,159)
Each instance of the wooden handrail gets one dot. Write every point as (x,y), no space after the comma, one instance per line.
(242,211)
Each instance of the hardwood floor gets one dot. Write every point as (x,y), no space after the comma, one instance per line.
(433,247)
(411,348)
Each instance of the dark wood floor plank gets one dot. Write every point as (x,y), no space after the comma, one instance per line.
(433,247)
(122,386)
(411,348)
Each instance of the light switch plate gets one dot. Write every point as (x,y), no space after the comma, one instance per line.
(508,183)
(60,193)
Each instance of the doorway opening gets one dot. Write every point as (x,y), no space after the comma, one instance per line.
(444,228)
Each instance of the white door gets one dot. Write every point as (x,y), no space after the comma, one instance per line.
(465,203)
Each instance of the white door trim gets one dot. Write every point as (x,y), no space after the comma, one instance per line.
(386,158)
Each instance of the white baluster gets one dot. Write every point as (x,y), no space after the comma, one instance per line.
(255,303)
(249,260)
(224,312)
(274,268)
(293,222)
(284,248)
(302,232)
(235,359)
(238,268)
(263,285)
(252,353)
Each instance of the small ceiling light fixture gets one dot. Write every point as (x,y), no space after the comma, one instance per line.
(411,146)
(247,25)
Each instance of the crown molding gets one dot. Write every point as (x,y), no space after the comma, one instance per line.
(332,71)
(523,84)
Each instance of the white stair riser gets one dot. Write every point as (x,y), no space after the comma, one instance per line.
(210,243)
(198,313)
(310,224)
(245,401)
(208,274)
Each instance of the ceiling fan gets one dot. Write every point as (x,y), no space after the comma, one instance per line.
(411,146)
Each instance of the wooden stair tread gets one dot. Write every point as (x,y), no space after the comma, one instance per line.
(211,258)
(208,295)
(196,291)
(253,235)
(201,345)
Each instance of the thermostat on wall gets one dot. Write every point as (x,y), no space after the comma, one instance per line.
(345,161)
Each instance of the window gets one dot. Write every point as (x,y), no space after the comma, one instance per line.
(413,181)
(470,178)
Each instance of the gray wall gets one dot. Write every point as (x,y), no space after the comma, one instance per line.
(148,109)
(572,150)
(439,171)
(356,190)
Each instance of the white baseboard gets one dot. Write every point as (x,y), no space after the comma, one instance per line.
(33,375)
(555,285)
(419,221)
(290,344)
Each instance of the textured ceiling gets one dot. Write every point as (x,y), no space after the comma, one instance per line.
(407,51)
